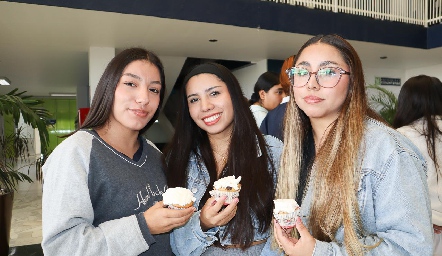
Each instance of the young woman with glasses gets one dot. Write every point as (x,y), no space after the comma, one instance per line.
(361,185)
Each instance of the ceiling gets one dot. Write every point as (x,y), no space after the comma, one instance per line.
(44,49)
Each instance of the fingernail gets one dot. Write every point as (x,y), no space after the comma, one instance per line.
(213,203)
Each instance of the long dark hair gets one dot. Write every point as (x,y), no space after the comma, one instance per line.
(257,181)
(421,97)
(103,100)
(265,82)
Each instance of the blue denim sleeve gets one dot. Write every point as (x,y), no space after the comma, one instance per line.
(190,239)
(395,209)
(268,251)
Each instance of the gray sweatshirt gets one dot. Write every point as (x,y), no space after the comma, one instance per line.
(94,198)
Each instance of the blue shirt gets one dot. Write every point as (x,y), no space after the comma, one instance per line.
(190,239)
(273,123)
(392,196)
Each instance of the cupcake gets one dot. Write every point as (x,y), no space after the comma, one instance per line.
(178,198)
(285,212)
(228,186)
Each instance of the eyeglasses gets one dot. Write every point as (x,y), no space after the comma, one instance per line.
(327,77)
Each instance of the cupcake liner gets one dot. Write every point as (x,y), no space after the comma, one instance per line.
(177,207)
(230,195)
(286,220)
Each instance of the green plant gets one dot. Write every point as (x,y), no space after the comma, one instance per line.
(15,146)
(15,103)
(384,102)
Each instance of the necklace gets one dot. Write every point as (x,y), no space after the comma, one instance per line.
(222,156)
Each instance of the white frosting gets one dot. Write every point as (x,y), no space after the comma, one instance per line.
(228,181)
(285,205)
(178,196)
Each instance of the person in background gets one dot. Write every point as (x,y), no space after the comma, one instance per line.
(273,122)
(267,95)
(361,184)
(419,118)
(215,137)
(103,184)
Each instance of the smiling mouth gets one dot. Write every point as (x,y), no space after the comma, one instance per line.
(211,119)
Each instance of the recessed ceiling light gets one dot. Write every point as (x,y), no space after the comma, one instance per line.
(213,40)
(4,81)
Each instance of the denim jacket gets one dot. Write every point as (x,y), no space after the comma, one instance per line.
(392,195)
(190,239)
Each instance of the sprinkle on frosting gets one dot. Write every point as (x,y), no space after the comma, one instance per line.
(227,182)
(178,196)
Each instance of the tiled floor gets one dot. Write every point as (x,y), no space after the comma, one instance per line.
(26,213)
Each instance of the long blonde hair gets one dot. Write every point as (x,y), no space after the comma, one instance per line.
(336,169)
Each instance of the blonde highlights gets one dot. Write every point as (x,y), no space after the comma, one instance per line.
(335,174)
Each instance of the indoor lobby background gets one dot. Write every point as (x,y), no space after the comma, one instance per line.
(49,46)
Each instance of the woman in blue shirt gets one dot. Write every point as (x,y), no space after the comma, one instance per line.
(361,184)
(216,136)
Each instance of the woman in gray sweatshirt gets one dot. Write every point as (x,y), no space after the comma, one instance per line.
(103,185)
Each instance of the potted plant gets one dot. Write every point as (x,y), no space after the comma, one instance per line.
(384,102)
(14,146)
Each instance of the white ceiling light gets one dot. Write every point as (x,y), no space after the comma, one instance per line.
(62,94)
(4,81)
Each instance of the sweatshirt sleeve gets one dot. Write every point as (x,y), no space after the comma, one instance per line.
(68,213)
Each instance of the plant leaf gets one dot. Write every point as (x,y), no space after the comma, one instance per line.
(384,102)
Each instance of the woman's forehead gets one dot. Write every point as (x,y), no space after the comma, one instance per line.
(320,54)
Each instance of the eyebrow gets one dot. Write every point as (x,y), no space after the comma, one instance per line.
(132,75)
(139,78)
(322,64)
(207,90)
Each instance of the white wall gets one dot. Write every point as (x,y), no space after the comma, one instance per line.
(29,133)
(435,71)
(404,75)
(247,76)
(99,58)
(371,73)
